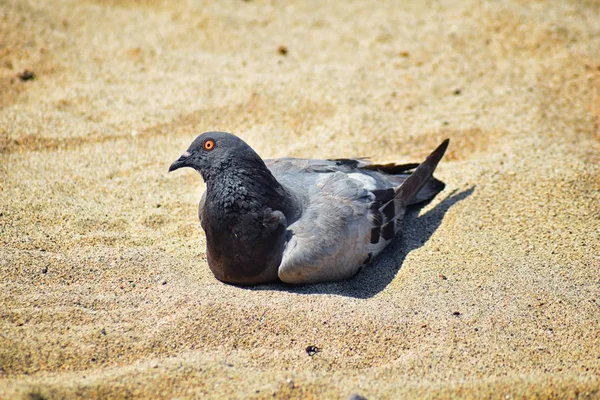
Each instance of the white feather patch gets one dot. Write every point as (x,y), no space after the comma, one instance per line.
(368,182)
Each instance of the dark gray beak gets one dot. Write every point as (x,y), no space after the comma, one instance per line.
(181,162)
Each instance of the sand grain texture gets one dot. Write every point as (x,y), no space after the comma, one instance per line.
(493,291)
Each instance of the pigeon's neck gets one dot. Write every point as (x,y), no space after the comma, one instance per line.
(249,187)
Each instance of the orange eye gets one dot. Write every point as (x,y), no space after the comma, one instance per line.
(209,144)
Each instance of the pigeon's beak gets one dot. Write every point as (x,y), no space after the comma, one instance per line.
(180,162)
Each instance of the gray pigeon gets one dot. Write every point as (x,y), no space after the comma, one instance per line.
(299,220)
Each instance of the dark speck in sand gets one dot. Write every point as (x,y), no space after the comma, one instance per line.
(26,75)
(312,350)
(283,50)
(355,396)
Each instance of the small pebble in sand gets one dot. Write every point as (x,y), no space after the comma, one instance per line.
(456,313)
(35,396)
(356,396)
(312,350)
(442,277)
(26,75)
(283,50)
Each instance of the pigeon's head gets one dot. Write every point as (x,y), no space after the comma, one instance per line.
(214,151)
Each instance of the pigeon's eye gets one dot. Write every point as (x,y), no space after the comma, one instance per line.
(209,144)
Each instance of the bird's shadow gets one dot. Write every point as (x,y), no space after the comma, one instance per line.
(376,276)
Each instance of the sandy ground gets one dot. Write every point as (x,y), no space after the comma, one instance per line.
(104,286)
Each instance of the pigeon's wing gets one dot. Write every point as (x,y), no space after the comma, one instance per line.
(348,219)
(326,242)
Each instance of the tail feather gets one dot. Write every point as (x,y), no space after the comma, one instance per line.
(431,188)
(388,206)
(420,185)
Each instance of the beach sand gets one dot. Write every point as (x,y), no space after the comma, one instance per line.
(493,290)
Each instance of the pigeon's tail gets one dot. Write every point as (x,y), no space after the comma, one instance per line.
(429,190)
(421,186)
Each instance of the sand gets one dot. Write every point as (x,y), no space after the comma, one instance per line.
(493,290)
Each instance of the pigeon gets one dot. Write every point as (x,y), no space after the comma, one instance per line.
(297,220)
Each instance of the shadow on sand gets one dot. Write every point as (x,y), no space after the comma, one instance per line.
(375,277)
